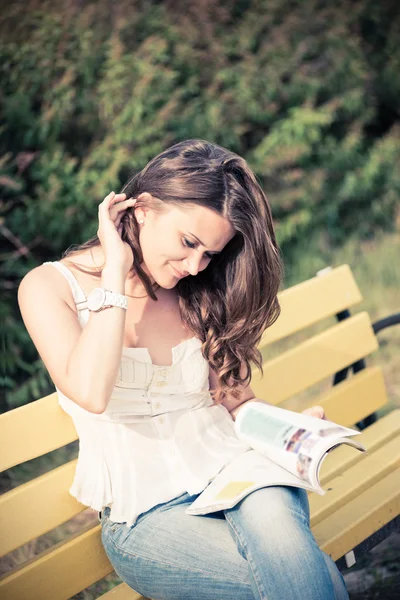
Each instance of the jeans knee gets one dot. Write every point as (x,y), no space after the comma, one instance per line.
(275,504)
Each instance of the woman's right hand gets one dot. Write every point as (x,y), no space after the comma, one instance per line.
(111,210)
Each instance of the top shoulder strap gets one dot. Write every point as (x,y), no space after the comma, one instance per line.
(77,292)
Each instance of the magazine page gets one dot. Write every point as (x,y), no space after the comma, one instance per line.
(295,441)
(247,472)
(288,448)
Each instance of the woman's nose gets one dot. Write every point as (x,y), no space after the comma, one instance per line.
(192,263)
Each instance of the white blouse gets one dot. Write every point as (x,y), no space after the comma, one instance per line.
(160,436)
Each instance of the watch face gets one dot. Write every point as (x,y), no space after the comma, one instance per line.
(96,299)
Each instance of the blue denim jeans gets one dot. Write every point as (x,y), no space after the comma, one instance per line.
(261,548)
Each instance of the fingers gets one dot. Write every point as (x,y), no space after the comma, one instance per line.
(124,204)
(113,199)
(120,202)
(315,411)
(114,204)
(117,211)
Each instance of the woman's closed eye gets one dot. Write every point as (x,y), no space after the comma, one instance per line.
(190,244)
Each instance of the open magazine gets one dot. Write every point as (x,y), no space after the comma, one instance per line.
(285,448)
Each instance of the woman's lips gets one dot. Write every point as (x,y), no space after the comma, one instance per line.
(180,275)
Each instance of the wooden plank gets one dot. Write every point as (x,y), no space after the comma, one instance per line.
(352,482)
(316,358)
(20,441)
(354,399)
(373,437)
(60,572)
(122,592)
(311,301)
(360,518)
(19,526)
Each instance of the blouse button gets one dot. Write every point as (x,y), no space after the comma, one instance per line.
(157,405)
(161,420)
(164,372)
(161,383)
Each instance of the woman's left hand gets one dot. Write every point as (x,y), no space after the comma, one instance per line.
(315,411)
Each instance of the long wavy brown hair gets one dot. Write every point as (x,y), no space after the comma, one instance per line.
(229,305)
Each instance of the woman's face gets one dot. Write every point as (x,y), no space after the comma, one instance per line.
(181,241)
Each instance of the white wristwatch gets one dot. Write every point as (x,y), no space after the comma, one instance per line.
(100,298)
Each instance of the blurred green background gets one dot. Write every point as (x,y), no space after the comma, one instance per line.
(306,90)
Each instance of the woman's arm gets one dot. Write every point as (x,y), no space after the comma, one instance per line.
(247,395)
(83,363)
(233,405)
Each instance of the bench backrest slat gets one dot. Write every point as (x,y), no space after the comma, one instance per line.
(33,430)
(352,400)
(60,572)
(49,506)
(311,301)
(311,361)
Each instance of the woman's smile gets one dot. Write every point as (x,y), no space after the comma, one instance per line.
(176,272)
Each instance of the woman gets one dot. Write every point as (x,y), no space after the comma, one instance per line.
(155,369)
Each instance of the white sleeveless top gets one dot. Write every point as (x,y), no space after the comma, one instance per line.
(160,436)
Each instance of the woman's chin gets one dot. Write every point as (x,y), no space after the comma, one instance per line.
(165,281)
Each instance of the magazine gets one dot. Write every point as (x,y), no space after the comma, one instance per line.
(285,448)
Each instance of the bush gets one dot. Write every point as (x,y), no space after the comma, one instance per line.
(306,91)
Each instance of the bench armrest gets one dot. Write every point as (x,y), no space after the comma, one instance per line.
(393,319)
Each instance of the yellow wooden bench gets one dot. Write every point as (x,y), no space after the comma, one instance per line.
(359,510)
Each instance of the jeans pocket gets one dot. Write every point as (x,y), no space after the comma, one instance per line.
(112,526)
(109,525)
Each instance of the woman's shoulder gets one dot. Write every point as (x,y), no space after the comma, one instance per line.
(43,279)
(46,278)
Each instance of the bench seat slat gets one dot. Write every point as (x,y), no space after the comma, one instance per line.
(352,482)
(315,359)
(363,516)
(121,592)
(311,301)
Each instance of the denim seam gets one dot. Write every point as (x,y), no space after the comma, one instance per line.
(301,516)
(243,544)
(160,562)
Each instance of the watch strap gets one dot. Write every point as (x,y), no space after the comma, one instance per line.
(115,299)
(111,299)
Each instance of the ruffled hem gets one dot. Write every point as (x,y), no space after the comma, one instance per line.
(92,487)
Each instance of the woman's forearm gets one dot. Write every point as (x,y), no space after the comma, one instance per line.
(235,411)
(93,364)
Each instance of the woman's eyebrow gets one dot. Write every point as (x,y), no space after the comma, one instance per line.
(201,243)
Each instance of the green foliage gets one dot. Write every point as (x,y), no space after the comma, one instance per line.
(306,91)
